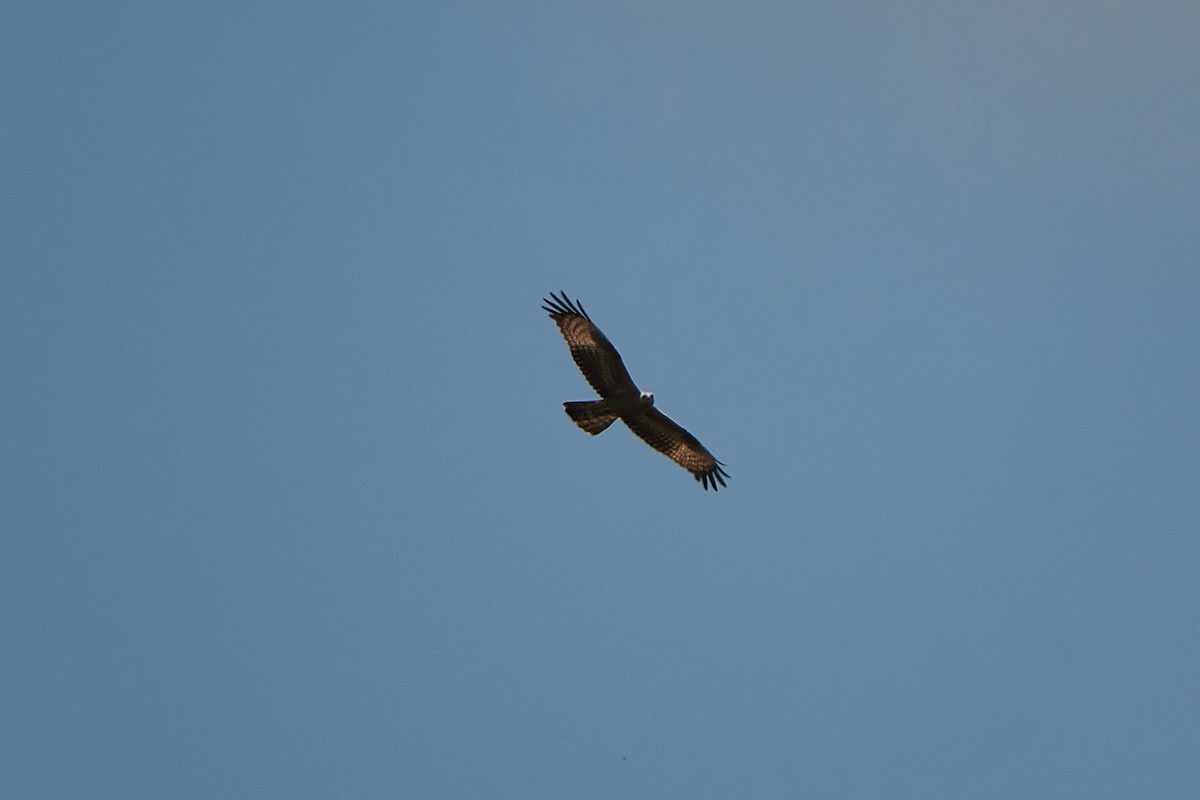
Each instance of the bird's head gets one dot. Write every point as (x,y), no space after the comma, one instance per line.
(648,398)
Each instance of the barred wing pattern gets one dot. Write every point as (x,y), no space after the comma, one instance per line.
(601,364)
(597,359)
(667,437)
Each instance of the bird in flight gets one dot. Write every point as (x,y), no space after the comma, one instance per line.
(621,399)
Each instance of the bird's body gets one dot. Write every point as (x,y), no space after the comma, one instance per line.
(620,397)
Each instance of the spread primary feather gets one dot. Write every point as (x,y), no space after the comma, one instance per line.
(620,397)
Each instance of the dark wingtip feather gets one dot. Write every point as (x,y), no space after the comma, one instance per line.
(553,307)
(559,305)
(714,476)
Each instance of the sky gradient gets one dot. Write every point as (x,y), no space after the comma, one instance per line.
(288,503)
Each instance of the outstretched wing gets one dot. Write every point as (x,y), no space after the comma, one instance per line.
(597,359)
(664,435)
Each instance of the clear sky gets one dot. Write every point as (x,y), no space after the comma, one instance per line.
(288,503)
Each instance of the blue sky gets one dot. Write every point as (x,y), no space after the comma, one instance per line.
(289,504)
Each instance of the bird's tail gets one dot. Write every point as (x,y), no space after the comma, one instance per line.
(591,415)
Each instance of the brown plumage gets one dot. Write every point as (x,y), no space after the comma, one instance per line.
(620,398)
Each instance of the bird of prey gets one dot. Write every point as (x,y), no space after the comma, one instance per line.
(621,399)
